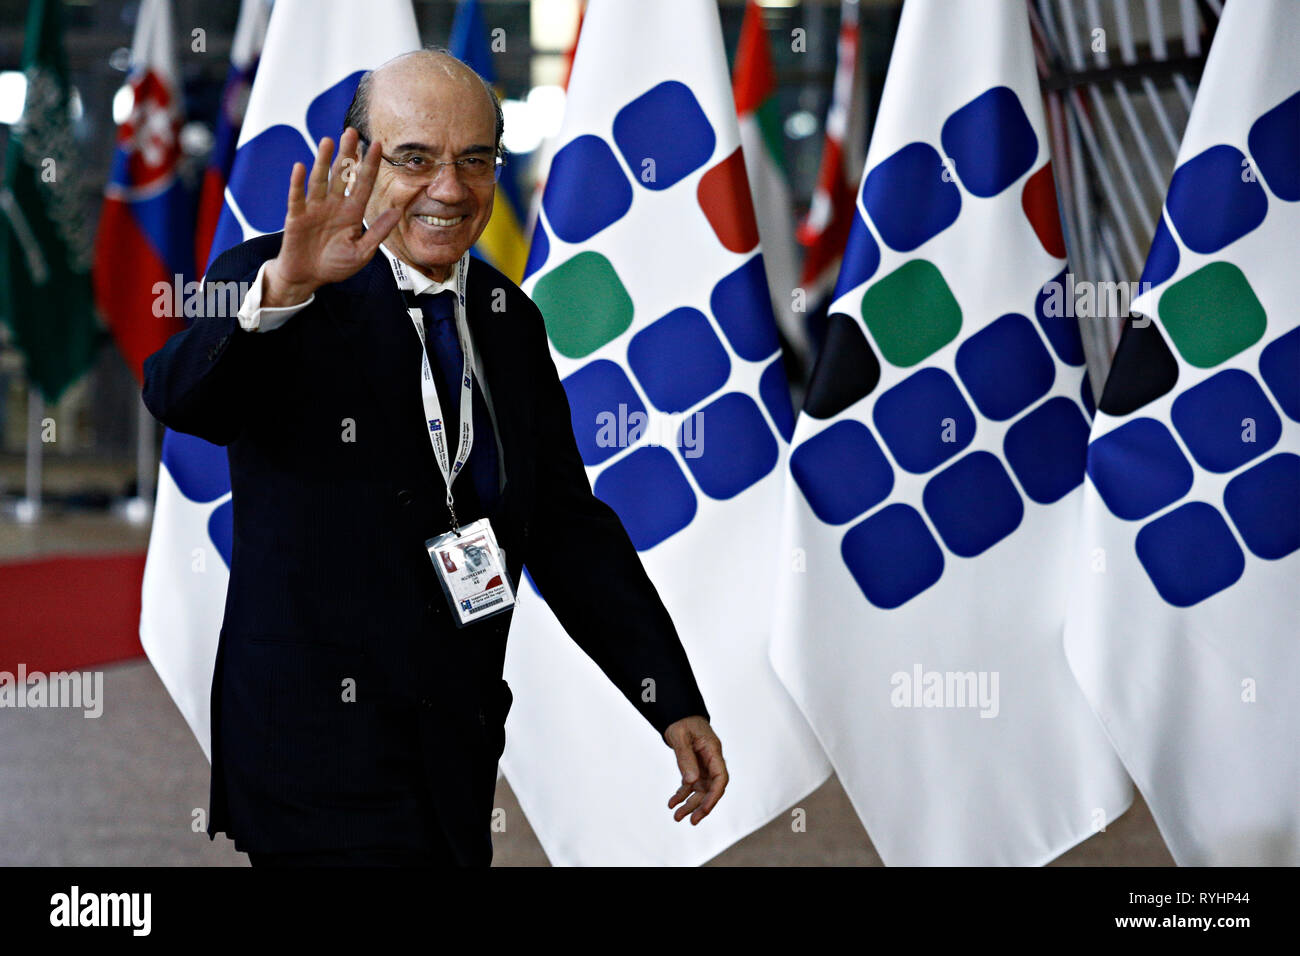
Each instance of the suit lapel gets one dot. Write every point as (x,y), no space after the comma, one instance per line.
(370,315)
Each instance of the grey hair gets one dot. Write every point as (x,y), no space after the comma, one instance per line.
(358,114)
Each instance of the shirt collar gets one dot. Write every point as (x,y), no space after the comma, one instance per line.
(420,283)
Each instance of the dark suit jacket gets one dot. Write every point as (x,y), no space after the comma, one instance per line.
(330,581)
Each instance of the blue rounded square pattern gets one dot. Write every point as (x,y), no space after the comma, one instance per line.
(908,198)
(892,556)
(650,494)
(990,141)
(1048,450)
(602,403)
(1190,554)
(678,360)
(1210,202)
(861,257)
(1274,143)
(665,124)
(1005,367)
(586,190)
(267,157)
(228,235)
(1162,260)
(918,414)
(738,447)
(973,504)
(538,251)
(774,390)
(221,529)
(1061,327)
(842,472)
(1215,418)
(200,469)
(326,112)
(1279,366)
(743,308)
(1138,469)
(1264,503)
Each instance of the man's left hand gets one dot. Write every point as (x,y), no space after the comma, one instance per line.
(704,772)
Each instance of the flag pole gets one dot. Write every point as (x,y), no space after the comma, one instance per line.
(28,510)
(139,508)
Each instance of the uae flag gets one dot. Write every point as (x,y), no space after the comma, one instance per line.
(309,70)
(646,265)
(936,474)
(761,139)
(1184,627)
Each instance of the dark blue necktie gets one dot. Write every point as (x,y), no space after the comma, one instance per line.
(448,358)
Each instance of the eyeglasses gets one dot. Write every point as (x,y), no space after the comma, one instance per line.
(422,169)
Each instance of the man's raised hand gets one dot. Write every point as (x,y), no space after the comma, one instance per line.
(324,238)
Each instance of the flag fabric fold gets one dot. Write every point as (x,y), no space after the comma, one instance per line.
(245,49)
(647,267)
(1183,625)
(309,69)
(936,473)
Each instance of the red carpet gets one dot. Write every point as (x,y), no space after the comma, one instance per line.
(70,613)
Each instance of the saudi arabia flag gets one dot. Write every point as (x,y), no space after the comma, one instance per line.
(936,474)
(45,235)
(646,266)
(1185,628)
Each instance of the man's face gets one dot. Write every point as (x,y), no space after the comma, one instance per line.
(431,113)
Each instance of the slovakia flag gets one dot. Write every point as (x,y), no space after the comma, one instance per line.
(146,228)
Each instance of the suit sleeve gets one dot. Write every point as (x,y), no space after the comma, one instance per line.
(202,382)
(588,570)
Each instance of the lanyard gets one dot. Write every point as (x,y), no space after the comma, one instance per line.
(429,392)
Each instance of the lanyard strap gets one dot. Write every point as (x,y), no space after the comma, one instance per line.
(429,392)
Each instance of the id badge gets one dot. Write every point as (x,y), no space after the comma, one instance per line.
(472,571)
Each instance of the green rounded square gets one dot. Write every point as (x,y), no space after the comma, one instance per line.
(1212,314)
(584,304)
(911,313)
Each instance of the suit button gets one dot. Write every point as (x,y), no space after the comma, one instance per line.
(426,701)
(482,718)
(404,498)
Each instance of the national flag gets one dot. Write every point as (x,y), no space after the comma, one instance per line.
(245,49)
(146,228)
(761,138)
(502,242)
(937,470)
(825,229)
(310,68)
(45,244)
(1183,628)
(647,267)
